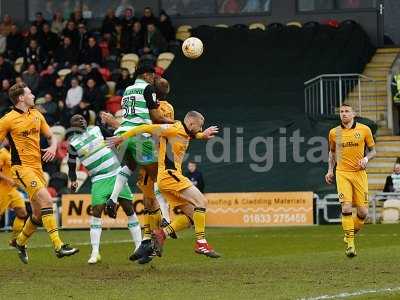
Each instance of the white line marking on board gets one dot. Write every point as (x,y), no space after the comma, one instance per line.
(354,294)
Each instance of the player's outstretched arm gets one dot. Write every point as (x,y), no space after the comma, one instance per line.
(109,119)
(153,129)
(207,134)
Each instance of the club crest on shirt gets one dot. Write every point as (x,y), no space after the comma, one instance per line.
(357,135)
(341,196)
(33,184)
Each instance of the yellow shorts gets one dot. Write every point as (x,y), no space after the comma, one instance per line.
(146,185)
(352,187)
(171,183)
(11,199)
(32,180)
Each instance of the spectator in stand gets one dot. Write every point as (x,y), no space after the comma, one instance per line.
(83,37)
(154,42)
(75,73)
(6,70)
(49,109)
(70,30)
(3,42)
(392,184)
(122,7)
(31,78)
(33,35)
(14,42)
(66,54)
(128,19)
(148,18)
(47,79)
(92,53)
(7,24)
(50,39)
(137,38)
(93,73)
(92,97)
(77,17)
(34,54)
(39,21)
(123,82)
(58,24)
(195,176)
(59,93)
(122,39)
(165,26)
(74,96)
(5,101)
(109,22)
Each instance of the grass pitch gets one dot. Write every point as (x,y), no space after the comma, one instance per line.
(260,263)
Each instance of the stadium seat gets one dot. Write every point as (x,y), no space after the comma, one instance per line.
(165,59)
(257,26)
(63,72)
(111,88)
(183,32)
(130,61)
(59,132)
(222,25)
(294,23)
(391,211)
(18,64)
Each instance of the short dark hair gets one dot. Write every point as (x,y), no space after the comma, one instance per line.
(345,104)
(16,91)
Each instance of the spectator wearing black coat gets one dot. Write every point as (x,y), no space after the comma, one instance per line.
(6,70)
(77,17)
(49,109)
(66,54)
(154,42)
(122,39)
(148,18)
(34,54)
(5,102)
(195,176)
(128,19)
(137,37)
(59,92)
(123,82)
(93,73)
(83,37)
(92,97)
(91,53)
(14,42)
(75,73)
(47,79)
(165,26)
(33,34)
(50,40)
(71,31)
(39,21)
(109,22)
(392,183)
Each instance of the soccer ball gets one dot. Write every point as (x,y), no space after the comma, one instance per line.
(192,47)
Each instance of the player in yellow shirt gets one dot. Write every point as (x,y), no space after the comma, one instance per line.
(23,127)
(9,196)
(176,188)
(347,144)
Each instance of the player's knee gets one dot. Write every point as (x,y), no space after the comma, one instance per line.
(97,210)
(362,212)
(44,198)
(347,208)
(127,206)
(21,213)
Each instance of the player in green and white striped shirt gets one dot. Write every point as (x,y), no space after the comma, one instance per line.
(103,165)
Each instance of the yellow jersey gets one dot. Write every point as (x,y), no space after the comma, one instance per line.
(23,131)
(5,169)
(349,145)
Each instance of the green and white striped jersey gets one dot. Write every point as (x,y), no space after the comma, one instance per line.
(136,102)
(94,153)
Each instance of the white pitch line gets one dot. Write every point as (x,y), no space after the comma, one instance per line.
(354,294)
(77,244)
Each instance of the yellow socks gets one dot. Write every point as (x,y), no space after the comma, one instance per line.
(155,219)
(199,219)
(180,222)
(358,223)
(17,227)
(28,229)
(49,223)
(348,227)
(146,225)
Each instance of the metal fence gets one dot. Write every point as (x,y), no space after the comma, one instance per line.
(325,93)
